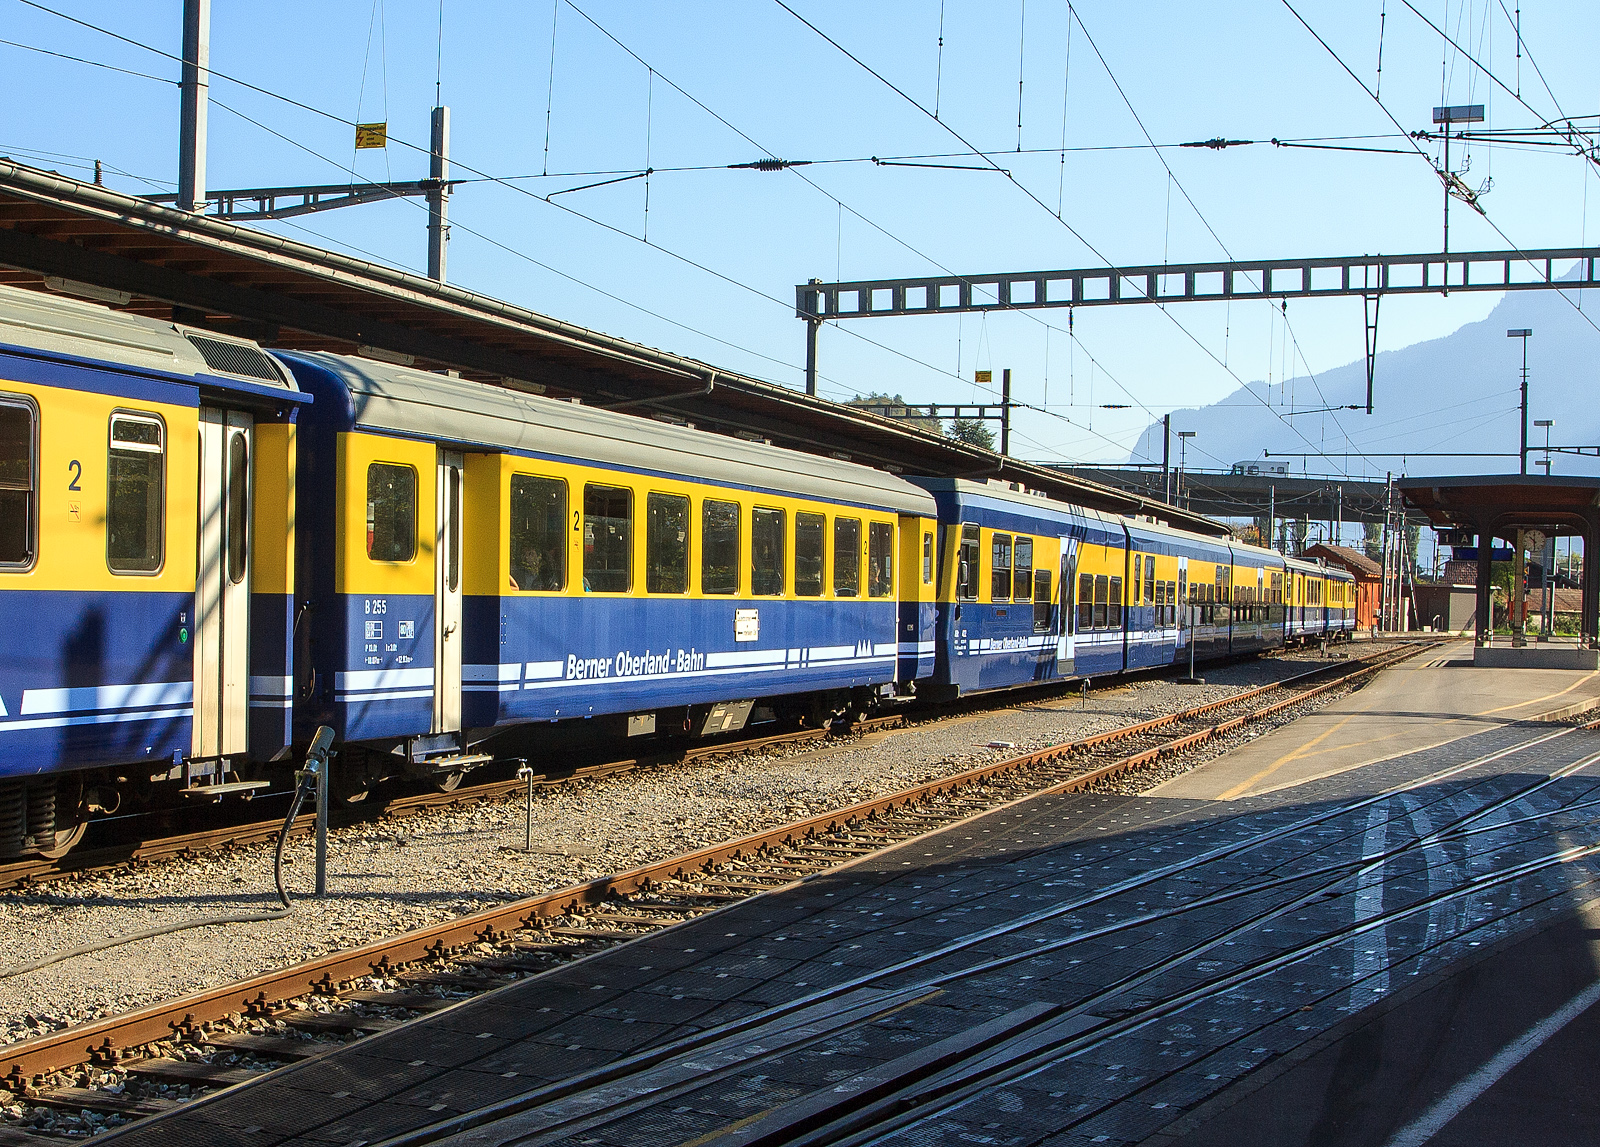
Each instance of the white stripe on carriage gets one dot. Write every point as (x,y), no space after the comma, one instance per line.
(272,704)
(272,686)
(351,698)
(94,719)
(382,678)
(753,657)
(917,647)
(546,670)
(697,673)
(503,672)
(883,647)
(825,652)
(107,697)
(499,687)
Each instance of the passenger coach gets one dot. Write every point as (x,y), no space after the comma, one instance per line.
(146,507)
(479,559)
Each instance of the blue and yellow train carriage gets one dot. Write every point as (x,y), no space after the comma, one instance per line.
(147,595)
(1010,611)
(502,559)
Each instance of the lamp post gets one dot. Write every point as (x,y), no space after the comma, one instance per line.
(1523,333)
(1183,455)
(1460,113)
(1547,423)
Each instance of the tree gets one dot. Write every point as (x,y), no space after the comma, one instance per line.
(1372,540)
(972,432)
(897,407)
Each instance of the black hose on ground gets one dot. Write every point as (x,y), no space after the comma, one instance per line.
(308,778)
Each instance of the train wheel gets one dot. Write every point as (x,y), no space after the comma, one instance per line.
(449,782)
(65,840)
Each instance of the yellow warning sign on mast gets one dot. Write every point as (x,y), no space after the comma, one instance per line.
(983,376)
(372,135)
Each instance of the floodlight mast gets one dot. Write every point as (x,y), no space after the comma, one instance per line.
(1459,113)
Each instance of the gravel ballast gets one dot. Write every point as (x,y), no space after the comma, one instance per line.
(396,875)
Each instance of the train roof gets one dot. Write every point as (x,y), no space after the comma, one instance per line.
(1304,566)
(398,399)
(61,325)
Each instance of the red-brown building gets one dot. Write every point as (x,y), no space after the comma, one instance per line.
(1368,575)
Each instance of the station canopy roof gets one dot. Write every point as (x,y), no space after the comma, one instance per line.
(58,233)
(1504,503)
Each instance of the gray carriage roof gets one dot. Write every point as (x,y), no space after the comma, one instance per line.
(407,401)
(58,324)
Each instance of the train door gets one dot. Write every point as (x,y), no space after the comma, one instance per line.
(222,584)
(447,597)
(1067,614)
(1185,611)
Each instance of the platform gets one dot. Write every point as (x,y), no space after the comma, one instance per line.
(1074,968)
(1412,706)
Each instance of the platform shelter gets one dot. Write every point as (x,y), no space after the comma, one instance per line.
(1510,507)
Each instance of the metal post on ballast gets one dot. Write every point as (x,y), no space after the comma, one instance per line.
(322,826)
(439,194)
(193,98)
(813,326)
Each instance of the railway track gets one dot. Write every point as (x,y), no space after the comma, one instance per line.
(133,1065)
(88,860)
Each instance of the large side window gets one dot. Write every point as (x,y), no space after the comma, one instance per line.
(719,547)
(1022,563)
(1085,602)
(1149,579)
(19,484)
(1101,591)
(1114,605)
(1138,578)
(391,512)
(846,557)
(607,539)
(666,544)
(538,533)
(1041,601)
(766,552)
(810,537)
(967,574)
(134,493)
(1000,567)
(927,559)
(880,559)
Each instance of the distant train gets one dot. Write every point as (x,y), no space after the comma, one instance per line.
(207,550)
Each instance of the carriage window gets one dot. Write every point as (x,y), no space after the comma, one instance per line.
(1041,601)
(1101,589)
(17,512)
(1022,579)
(766,553)
(238,506)
(666,544)
(1085,601)
(810,537)
(134,494)
(1138,576)
(927,559)
(846,557)
(880,559)
(1000,568)
(538,533)
(719,547)
(452,487)
(607,539)
(967,570)
(1150,578)
(1114,605)
(391,512)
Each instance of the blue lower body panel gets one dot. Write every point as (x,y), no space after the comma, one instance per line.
(530,659)
(90,679)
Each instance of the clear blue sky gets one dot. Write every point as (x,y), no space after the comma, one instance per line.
(1191,71)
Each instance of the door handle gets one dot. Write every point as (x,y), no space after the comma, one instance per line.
(449,629)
